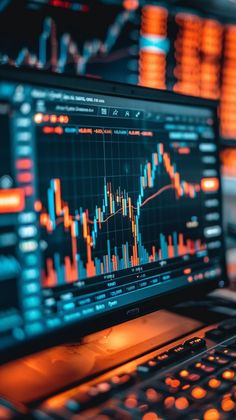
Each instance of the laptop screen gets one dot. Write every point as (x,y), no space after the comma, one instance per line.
(107,200)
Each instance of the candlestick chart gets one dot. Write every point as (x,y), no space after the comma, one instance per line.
(144,43)
(70,45)
(124,226)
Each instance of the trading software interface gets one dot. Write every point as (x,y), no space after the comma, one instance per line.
(150,43)
(104,202)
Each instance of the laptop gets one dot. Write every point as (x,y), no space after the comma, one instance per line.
(110,209)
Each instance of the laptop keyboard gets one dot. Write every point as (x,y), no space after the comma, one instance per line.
(189,381)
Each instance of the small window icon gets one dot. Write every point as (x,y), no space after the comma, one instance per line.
(104,111)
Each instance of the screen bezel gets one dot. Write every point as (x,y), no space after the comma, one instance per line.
(76,330)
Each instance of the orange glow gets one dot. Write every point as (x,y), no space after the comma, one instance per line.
(187,46)
(227,405)
(181,403)
(228,158)
(53,118)
(5,413)
(228,374)
(198,393)
(38,118)
(152,395)
(214,383)
(228,98)
(169,402)
(12,200)
(211,414)
(173,383)
(131,401)
(152,64)
(210,184)
(38,206)
(184,373)
(130,4)
(150,416)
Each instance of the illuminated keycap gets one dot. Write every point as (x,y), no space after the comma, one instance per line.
(198,393)
(211,414)
(181,403)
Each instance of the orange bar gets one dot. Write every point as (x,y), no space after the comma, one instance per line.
(12,200)
(149,174)
(51,279)
(170,248)
(58,196)
(181,247)
(130,209)
(190,247)
(210,184)
(155,159)
(107,264)
(66,216)
(111,203)
(125,258)
(68,270)
(154,253)
(114,262)
(123,206)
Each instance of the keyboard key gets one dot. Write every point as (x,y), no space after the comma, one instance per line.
(211,413)
(189,376)
(195,343)
(182,403)
(172,384)
(148,367)
(232,346)
(198,393)
(73,406)
(143,369)
(122,380)
(215,360)
(227,404)
(180,351)
(214,383)
(113,414)
(152,415)
(216,335)
(136,402)
(228,326)
(153,395)
(228,375)
(164,358)
(226,352)
(204,368)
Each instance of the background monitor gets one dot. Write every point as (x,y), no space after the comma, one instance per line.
(184,46)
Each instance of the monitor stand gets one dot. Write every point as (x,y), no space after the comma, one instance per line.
(42,374)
